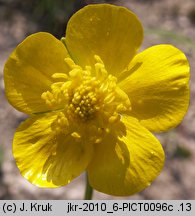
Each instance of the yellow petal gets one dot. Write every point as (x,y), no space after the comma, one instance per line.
(157,84)
(28,71)
(45,158)
(126,164)
(112,32)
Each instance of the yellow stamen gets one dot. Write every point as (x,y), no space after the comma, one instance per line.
(83,95)
(60,76)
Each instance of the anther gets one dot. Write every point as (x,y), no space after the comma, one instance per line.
(70,63)
(60,76)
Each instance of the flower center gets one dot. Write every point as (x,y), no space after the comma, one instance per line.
(85,101)
(86,94)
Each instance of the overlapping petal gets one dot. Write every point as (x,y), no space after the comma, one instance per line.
(112,32)
(157,83)
(45,158)
(126,164)
(28,71)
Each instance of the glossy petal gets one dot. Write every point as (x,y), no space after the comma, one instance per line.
(126,164)
(157,84)
(112,32)
(46,159)
(28,71)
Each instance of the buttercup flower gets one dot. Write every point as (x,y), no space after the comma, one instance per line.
(93,102)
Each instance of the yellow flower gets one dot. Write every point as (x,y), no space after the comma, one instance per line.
(93,102)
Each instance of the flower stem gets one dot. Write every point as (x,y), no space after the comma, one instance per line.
(88,190)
